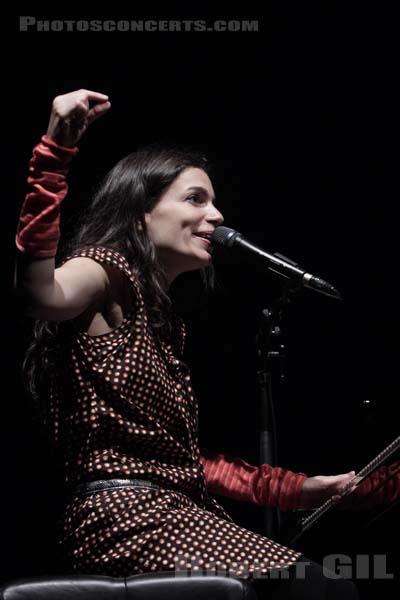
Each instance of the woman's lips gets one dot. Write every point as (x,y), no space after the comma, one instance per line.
(206,242)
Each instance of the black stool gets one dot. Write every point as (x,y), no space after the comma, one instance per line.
(150,586)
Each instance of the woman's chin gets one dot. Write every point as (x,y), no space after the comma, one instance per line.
(200,262)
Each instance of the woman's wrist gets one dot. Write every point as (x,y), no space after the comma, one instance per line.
(56,145)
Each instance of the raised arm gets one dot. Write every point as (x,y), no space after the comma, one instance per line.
(46,292)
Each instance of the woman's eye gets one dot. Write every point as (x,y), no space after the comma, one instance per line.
(194,198)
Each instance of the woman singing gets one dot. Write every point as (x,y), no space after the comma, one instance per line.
(120,404)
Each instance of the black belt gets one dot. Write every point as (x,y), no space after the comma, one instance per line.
(90,487)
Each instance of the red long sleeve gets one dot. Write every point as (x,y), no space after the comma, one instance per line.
(234,478)
(38,228)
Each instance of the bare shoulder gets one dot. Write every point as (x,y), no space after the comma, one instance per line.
(79,283)
(84,265)
(113,303)
(105,277)
(99,295)
(83,275)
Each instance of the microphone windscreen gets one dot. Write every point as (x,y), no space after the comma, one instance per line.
(223,236)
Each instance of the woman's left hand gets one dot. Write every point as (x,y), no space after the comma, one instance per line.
(72,113)
(316,490)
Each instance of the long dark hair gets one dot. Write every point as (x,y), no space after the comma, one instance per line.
(115,219)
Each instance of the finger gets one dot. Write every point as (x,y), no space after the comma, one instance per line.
(81,108)
(90,95)
(345,476)
(78,114)
(333,480)
(97,111)
(350,485)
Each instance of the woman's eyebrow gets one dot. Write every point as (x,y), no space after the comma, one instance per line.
(201,189)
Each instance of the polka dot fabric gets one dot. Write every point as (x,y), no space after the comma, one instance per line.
(123,407)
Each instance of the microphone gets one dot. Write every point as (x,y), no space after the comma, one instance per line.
(277,263)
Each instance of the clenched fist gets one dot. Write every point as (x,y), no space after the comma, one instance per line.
(72,114)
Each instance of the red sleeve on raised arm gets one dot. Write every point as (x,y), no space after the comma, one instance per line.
(39,223)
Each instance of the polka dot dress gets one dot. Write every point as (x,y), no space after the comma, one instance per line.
(122,407)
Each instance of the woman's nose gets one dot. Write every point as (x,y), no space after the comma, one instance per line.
(215,216)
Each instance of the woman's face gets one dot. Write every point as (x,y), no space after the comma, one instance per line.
(183,214)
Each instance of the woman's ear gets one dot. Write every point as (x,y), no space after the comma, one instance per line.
(138,223)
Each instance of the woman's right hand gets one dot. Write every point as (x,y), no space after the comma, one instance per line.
(72,114)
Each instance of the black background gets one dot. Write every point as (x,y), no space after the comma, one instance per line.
(300,120)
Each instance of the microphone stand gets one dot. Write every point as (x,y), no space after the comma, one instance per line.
(271,358)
